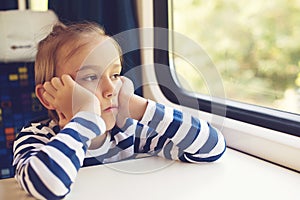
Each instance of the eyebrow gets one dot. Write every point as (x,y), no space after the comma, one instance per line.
(85,67)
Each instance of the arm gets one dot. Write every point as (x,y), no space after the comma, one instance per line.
(179,136)
(47,165)
(169,132)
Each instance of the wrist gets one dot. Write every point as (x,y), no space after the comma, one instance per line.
(137,107)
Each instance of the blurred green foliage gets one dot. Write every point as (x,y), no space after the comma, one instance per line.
(255,45)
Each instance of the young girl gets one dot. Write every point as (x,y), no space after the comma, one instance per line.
(95,118)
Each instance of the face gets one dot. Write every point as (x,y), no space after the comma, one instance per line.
(96,66)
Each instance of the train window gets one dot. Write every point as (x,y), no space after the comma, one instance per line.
(230,85)
(255,48)
(38,5)
(252,55)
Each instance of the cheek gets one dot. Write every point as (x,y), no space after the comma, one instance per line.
(91,86)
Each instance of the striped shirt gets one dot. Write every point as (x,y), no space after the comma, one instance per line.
(47,159)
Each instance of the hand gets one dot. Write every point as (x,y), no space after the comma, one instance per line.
(130,105)
(125,93)
(68,98)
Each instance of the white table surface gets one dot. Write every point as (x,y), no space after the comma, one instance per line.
(234,176)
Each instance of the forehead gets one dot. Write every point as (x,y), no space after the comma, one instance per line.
(101,51)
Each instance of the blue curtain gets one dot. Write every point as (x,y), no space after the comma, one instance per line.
(115,16)
(8,4)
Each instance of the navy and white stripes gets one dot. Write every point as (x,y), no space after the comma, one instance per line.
(46,167)
(47,159)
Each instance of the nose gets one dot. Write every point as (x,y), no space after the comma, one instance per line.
(108,88)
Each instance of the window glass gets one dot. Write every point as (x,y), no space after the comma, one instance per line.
(254,45)
(38,5)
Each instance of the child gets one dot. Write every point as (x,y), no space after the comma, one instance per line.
(95,118)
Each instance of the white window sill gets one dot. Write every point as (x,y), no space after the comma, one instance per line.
(234,176)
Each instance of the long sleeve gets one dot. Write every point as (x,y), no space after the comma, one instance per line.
(46,164)
(177,135)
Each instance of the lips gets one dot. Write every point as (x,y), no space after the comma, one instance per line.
(110,108)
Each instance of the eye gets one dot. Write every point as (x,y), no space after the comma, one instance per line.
(90,77)
(115,76)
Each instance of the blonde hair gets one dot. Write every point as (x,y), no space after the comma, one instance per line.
(47,57)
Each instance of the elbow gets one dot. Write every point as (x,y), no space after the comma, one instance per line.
(218,148)
(221,148)
(216,157)
(201,156)
(35,184)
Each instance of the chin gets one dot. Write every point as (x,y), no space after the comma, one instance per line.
(109,122)
(109,119)
(109,126)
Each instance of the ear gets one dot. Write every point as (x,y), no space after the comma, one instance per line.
(39,91)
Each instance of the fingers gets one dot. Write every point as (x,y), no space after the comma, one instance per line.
(67,80)
(124,79)
(127,85)
(49,92)
(49,99)
(56,83)
(53,87)
(49,88)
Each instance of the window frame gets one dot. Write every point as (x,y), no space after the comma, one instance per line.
(277,120)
